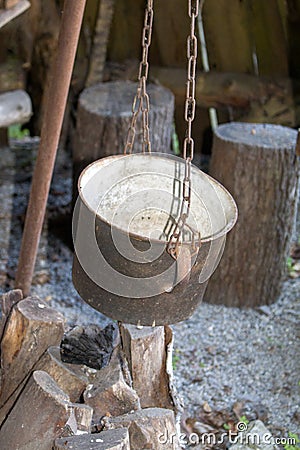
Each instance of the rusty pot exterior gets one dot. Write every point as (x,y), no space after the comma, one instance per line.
(114,274)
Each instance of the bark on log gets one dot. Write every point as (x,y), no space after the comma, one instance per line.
(103,119)
(152,428)
(258,165)
(69,377)
(7,302)
(146,353)
(107,440)
(31,328)
(42,413)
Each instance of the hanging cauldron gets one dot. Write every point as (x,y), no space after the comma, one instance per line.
(125,211)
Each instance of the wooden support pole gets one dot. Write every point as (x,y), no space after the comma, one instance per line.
(51,128)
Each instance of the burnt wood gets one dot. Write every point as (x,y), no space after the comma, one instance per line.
(89,345)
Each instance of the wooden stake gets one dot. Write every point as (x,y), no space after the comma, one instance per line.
(51,128)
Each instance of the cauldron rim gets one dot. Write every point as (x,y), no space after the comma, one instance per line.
(103,161)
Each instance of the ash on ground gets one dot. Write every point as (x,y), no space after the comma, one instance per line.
(222,356)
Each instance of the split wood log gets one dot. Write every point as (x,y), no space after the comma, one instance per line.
(103,119)
(31,328)
(117,439)
(42,413)
(109,393)
(258,165)
(152,428)
(7,302)
(146,352)
(9,14)
(69,377)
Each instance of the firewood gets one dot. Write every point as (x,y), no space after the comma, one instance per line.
(69,377)
(117,439)
(146,353)
(89,345)
(32,327)
(7,302)
(152,428)
(42,413)
(109,393)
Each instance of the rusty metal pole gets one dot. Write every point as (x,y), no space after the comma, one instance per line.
(61,73)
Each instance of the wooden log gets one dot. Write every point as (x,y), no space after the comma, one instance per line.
(103,118)
(42,413)
(146,353)
(7,302)
(31,328)
(117,439)
(258,165)
(15,107)
(89,345)
(249,98)
(69,377)
(152,428)
(109,393)
(13,12)
(100,40)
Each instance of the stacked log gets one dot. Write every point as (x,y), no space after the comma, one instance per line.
(82,389)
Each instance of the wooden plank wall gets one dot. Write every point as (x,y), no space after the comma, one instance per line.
(242,36)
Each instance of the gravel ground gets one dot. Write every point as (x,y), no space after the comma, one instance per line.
(221,355)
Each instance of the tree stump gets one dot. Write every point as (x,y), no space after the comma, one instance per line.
(257,163)
(103,118)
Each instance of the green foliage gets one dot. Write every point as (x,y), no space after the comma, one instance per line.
(175,359)
(16,132)
(289,264)
(244,420)
(295,446)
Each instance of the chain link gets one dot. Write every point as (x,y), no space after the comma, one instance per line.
(141,100)
(188,143)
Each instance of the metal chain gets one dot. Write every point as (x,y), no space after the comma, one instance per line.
(188,144)
(141,100)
